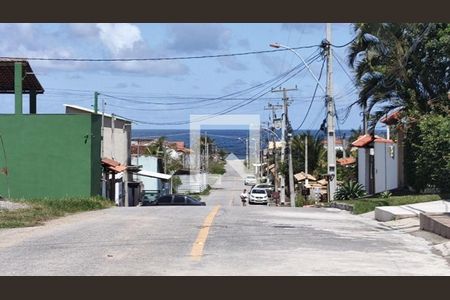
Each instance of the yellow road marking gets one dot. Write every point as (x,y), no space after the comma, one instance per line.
(197,248)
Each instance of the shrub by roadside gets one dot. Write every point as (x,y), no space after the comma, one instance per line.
(41,210)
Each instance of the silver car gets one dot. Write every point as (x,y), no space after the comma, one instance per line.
(250,180)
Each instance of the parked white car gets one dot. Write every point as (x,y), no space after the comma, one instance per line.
(258,196)
(250,180)
(268,187)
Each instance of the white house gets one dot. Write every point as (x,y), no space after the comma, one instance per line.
(377,163)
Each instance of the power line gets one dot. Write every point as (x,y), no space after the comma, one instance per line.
(345,45)
(279,77)
(235,107)
(342,67)
(314,95)
(211,99)
(152,58)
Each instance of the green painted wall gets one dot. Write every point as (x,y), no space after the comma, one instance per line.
(51,155)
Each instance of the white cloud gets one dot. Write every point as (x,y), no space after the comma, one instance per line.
(84,30)
(119,38)
(76,40)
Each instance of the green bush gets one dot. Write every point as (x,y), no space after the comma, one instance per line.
(427,153)
(300,201)
(350,190)
(216,167)
(386,195)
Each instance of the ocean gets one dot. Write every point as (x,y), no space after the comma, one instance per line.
(224,139)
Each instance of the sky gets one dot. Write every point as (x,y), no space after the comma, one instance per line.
(155,93)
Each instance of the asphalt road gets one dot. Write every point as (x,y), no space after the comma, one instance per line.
(222,238)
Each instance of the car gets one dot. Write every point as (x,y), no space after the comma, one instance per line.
(174,199)
(250,180)
(259,196)
(268,187)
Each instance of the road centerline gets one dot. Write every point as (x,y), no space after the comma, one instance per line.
(199,244)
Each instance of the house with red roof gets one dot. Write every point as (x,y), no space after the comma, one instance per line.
(377,163)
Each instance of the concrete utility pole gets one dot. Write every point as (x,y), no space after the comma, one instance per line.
(207,152)
(113,123)
(331,138)
(96,102)
(273,108)
(103,130)
(292,193)
(283,150)
(306,160)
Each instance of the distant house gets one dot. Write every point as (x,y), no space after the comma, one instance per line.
(394,123)
(115,153)
(377,163)
(340,144)
(154,181)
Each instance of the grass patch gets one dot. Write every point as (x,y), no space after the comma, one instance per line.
(41,210)
(361,206)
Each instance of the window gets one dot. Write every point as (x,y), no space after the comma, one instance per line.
(165,199)
(258,191)
(191,201)
(179,199)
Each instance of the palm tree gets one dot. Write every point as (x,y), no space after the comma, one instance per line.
(157,147)
(316,154)
(400,66)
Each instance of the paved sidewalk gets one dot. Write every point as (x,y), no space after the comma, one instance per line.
(389,213)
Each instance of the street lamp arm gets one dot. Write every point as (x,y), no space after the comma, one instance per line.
(276,45)
(272,132)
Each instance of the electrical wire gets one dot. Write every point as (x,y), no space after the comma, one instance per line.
(153,58)
(345,45)
(342,67)
(206,99)
(233,108)
(313,97)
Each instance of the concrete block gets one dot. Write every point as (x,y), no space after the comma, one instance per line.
(439,224)
(390,213)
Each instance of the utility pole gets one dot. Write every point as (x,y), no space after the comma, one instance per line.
(283,150)
(113,123)
(292,194)
(331,139)
(306,160)
(96,102)
(207,152)
(273,108)
(103,130)
(247,158)
(102,150)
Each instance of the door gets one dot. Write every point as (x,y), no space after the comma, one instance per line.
(179,200)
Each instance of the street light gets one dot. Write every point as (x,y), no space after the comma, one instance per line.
(246,150)
(276,45)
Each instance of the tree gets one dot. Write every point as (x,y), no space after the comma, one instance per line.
(159,149)
(401,66)
(316,154)
(429,164)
